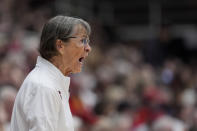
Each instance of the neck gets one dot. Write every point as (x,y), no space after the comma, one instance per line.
(57,61)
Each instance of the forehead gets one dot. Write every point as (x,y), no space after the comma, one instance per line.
(80,30)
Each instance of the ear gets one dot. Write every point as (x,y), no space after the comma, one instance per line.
(60,46)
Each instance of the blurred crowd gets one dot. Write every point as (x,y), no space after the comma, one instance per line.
(141,85)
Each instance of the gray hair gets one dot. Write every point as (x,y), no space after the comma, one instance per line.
(59,27)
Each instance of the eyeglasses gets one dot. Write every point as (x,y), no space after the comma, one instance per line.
(85,41)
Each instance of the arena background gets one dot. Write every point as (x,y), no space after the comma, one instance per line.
(140,76)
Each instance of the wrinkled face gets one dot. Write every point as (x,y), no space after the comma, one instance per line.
(75,50)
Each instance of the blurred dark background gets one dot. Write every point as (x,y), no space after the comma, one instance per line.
(140,76)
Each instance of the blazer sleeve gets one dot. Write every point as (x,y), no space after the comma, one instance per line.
(42,109)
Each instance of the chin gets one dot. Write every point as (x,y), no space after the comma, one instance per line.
(76,71)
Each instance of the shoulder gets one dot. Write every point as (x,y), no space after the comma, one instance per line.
(39,78)
(38,82)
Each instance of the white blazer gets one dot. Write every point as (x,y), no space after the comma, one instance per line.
(42,101)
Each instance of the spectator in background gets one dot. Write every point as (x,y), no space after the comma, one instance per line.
(3,117)
(8,95)
(165,46)
(42,101)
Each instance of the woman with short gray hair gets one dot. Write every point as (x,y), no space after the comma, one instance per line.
(42,101)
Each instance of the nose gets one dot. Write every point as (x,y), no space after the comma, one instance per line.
(88,48)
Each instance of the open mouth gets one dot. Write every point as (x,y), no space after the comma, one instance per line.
(81,59)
